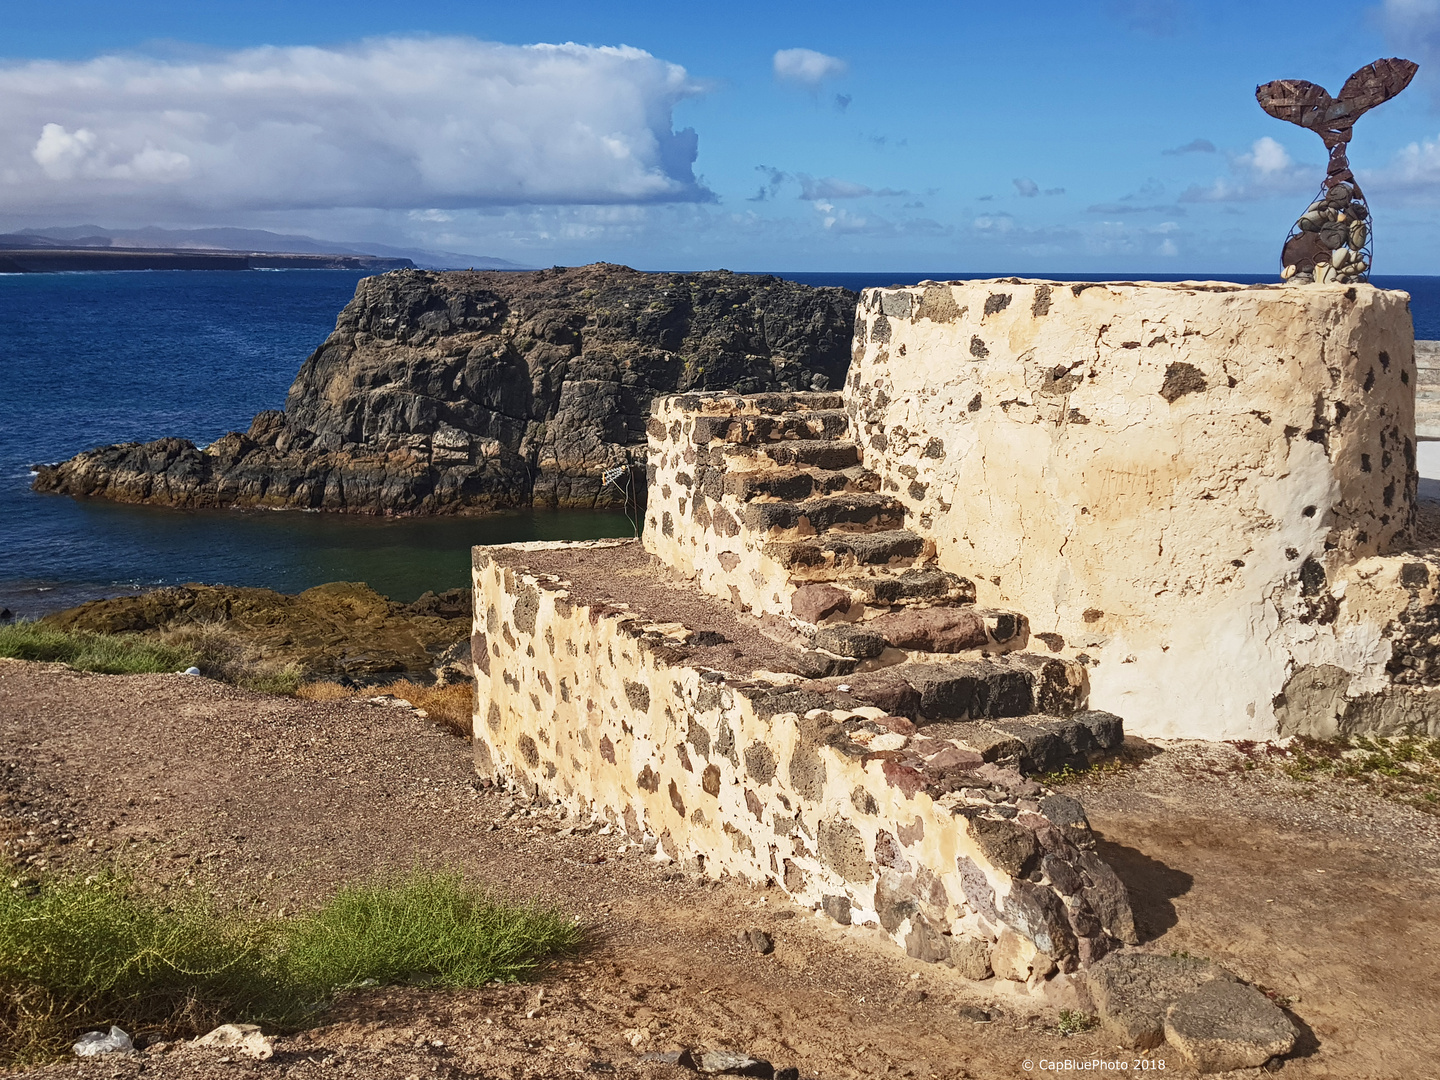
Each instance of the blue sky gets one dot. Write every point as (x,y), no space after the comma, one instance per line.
(1104,136)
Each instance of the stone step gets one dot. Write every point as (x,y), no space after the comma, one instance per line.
(993,689)
(822,557)
(916,585)
(856,510)
(796,484)
(754,429)
(721,403)
(819,453)
(1039,743)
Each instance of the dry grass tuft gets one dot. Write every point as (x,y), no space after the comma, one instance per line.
(325,690)
(452,706)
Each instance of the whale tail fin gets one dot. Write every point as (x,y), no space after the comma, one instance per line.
(1310,106)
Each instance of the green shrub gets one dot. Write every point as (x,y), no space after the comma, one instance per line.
(110,654)
(77,954)
(80,954)
(425,927)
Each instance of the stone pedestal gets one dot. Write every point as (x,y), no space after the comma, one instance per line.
(1200,489)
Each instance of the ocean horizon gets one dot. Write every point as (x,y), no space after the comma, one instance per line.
(98,357)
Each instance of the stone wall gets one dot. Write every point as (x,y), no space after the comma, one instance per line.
(1200,490)
(616,708)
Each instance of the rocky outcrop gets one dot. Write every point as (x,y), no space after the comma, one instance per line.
(341,630)
(454,392)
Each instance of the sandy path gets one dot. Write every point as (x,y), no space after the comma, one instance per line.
(273,801)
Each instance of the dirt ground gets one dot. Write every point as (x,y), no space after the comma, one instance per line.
(1315,890)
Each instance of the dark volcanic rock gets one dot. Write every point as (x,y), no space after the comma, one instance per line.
(465,391)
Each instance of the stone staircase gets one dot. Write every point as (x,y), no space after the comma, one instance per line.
(765,500)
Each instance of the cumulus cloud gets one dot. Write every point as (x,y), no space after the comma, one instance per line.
(1266,170)
(392,123)
(807,67)
(1194,146)
(1412,175)
(1027,188)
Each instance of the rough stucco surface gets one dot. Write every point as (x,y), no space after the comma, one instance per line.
(1194,485)
(583,700)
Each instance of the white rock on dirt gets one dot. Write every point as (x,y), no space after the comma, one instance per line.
(246,1039)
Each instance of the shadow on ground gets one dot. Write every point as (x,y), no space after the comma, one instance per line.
(1152,886)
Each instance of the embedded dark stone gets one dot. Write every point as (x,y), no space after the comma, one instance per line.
(1414,575)
(850,640)
(1044,752)
(1038,913)
(938,304)
(1108,898)
(697,736)
(837,907)
(638,694)
(842,848)
(1181,379)
(814,664)
(887,690)
(926,941)
(1007,845)
(1063,877)
(527,606)
(760,763)
(996,302)
(978,893)
(895,901)
(531,753)
(1312,577)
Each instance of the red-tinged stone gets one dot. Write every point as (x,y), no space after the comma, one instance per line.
(952,757)
(811,603)
(903,777)
(941,629)
(898,724)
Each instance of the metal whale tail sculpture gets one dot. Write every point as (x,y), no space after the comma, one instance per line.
(1331,241)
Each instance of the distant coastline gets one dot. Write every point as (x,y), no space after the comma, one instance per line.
(59,260)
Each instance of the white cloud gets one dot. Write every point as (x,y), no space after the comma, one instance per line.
(831,187)
(1268,169)
(1411,177)
(808,67)
(392,123)
(1267,157)
(1027,188)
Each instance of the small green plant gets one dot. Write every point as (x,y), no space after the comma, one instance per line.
(1405,768)
(1073,1023)
(425,927)
(79,954)
(109,654)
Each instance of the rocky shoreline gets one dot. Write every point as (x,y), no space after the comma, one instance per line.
(464,392)
(339,631)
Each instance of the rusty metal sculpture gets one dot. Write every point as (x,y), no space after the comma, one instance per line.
(1332,240)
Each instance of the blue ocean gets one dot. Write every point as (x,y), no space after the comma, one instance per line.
(94,358)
